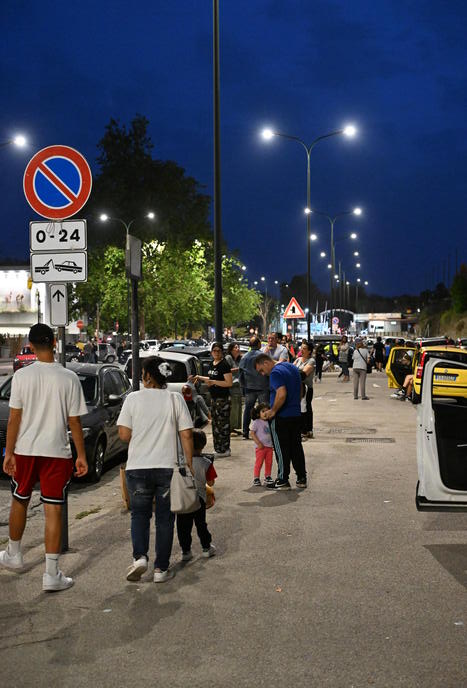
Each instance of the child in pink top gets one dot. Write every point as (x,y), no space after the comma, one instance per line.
(262,438)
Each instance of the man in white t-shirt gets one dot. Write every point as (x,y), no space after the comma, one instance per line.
(152,420)
(45,399)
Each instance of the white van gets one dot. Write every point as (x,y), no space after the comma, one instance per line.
(441,445)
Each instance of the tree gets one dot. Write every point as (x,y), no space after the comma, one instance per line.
(459,290)
(131,182)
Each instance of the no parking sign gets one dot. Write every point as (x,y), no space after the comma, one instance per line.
(57,182)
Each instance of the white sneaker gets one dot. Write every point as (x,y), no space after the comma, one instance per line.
(210,552)
(221,455)
(136,570)
(55,583)
(162,576)
(187,556)
(9,561)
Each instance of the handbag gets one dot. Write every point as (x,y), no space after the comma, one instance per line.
(369,367)
(183,493)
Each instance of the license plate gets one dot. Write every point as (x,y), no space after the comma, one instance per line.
(446,378)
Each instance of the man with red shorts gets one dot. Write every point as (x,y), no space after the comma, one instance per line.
(45,399)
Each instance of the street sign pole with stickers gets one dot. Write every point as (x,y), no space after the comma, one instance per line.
(57,183)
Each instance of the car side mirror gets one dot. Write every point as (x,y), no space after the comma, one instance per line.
(113,400)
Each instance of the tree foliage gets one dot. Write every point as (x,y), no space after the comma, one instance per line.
(176,293)
(130,183)
(459,290)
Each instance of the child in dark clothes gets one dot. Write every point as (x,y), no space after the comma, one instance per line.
(204,473)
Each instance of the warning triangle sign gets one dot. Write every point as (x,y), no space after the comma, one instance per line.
(294,310)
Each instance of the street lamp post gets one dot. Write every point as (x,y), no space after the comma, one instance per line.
(133,281)
(268,134)
(332,220)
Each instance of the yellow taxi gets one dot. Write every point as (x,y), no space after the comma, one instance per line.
(449,381)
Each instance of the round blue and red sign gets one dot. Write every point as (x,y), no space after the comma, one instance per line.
(57,182)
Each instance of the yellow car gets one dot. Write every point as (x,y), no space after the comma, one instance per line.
(450,381)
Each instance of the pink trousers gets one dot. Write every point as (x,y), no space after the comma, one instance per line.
(263,455)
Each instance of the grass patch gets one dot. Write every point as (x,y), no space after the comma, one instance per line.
(83,514)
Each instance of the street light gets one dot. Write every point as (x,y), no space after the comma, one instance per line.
(357,265)
(323,254)
(356,253)
(268,134)
(19,140)
(332,220)
(313,237)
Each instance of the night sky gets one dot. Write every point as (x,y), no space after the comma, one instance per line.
(395,69)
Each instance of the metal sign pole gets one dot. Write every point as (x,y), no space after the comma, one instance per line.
(62,360)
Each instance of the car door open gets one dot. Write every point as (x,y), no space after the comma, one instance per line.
(441,445)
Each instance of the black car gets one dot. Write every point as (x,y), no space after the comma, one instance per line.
(105,388)
(73,354)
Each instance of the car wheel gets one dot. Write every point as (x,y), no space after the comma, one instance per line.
(59,269)
(110,359)
(74,359)
(97,465)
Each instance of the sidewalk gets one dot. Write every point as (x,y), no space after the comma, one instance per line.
(343,584)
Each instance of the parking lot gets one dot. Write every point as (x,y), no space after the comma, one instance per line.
(343,584)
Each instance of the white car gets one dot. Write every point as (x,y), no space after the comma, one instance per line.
(441,446)
(152,345)
(182,366)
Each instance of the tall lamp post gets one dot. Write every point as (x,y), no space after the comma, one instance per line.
(332,220)
(267,135)
(133,281)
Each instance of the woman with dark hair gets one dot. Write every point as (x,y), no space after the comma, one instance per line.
(150,420)
(233,357)
(378,349)
(219,381)
(306,365)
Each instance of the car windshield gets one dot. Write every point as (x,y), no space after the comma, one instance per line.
(89,387)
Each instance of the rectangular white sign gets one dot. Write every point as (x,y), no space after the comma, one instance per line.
(59,267)
(64,235)
(58,299)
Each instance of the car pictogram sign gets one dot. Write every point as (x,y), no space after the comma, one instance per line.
(294,310)
(57,182)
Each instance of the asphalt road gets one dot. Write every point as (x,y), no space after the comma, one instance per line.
(344,584)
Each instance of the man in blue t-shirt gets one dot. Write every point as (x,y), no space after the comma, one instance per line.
(285,418)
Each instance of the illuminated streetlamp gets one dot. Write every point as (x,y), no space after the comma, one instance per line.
(268,134)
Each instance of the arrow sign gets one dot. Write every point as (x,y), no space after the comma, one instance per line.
(58,295)
(58,300)
(294,310)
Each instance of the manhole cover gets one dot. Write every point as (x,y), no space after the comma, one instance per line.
(370,440)
(344,431)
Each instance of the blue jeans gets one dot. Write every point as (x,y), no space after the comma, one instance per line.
(251,397)
(143,485)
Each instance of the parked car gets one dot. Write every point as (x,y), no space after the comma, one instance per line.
(182,366)
(73,354)
(106,353)
(24,358)
(105,388)
(405,360)
(442,440)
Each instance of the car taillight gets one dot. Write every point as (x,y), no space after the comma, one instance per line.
(420,367)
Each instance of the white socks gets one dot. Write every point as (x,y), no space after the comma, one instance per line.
(14,547)
(51,564)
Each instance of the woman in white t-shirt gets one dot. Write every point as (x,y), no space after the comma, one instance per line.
(150,421)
